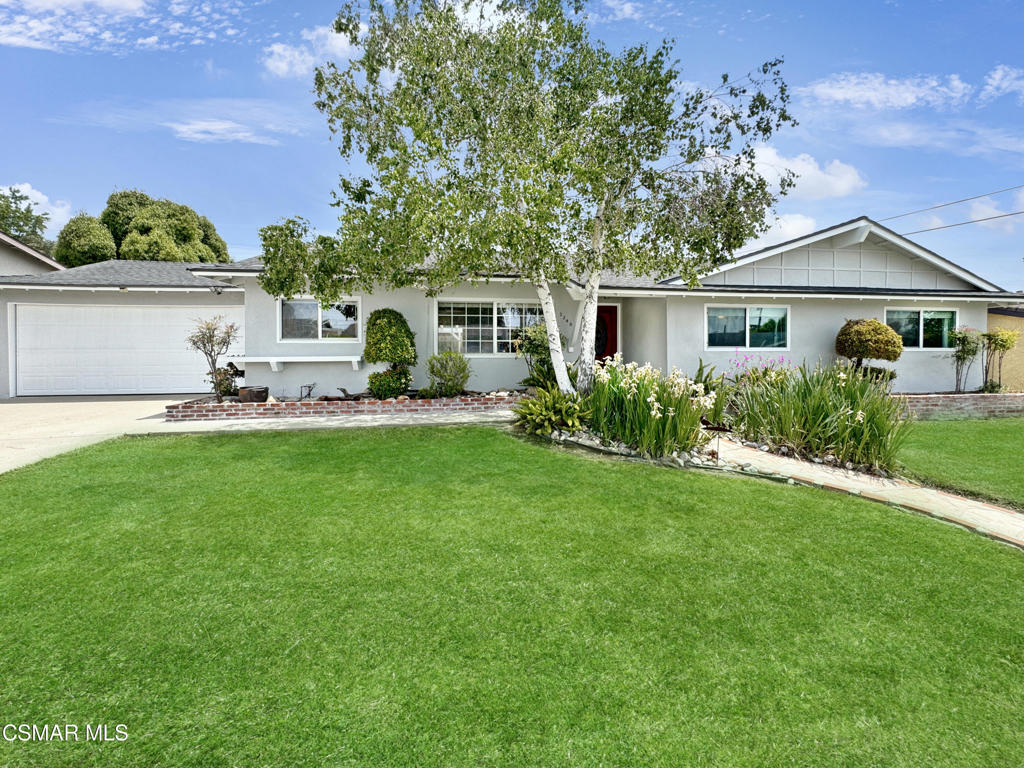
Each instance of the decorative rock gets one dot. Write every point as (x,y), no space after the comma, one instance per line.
(816,460)
(763,448)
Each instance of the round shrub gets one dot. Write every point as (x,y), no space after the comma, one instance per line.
(389,339)
(84,240)
(390,383)
(448,373)
(868,339)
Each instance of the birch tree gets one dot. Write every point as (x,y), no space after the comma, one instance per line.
(502,139)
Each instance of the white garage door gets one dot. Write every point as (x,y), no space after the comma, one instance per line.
(110,350)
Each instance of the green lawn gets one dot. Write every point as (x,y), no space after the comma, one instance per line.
(459,597)
(979,457)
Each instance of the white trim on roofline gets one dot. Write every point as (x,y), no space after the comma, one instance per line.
(30,251)
(859,228)
(796,294)
(94,288)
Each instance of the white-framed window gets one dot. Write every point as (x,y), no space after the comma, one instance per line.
(483,327)
(922,328)
(742,326)
(304,320)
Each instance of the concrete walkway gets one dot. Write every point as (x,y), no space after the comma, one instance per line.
(996,522)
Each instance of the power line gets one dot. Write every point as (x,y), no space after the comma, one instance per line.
(962,223)
(946,205)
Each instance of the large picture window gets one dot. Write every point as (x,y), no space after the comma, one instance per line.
(923,328)
(747,327)
(483,327)
(306,320)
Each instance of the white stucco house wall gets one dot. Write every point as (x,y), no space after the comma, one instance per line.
(16,258)
(118,327)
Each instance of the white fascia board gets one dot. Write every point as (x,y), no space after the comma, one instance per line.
(798,295)
(858,230)
(134,288)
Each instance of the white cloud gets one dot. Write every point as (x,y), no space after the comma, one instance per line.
(875,90)
(218,131)
(59,210)
(115,26)
(322,44)
(623,9)
(985,208)
(1001,81)
(813,182)
(248,121)
(961,137)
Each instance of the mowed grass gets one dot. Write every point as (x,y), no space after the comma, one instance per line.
(460,597)
(981,457)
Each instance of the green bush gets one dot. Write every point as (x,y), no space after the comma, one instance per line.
(531,343)
(550,409)
(390,383)
(833,410)
(84,240)
(389,339)
(448,373)
(647,411)
(868,339)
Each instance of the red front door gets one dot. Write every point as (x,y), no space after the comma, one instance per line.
(606,337)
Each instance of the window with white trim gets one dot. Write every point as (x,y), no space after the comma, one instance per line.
(732,327)
(483,327)
(923,328)
(306,320)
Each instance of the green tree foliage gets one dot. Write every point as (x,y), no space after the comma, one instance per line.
(122,206)
(517,143)
(868,339)
(20,220)
(158,230)
(166,231)
(84,240)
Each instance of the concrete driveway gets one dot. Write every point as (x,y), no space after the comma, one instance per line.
(33,428)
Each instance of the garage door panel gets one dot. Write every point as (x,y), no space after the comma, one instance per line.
(77,349)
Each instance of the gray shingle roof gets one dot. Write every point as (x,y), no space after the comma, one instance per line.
(254,264)
(119,273)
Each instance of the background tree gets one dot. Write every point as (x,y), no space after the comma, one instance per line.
(20,220)
(158,230)
(516,143)
(84,240)
(868,339)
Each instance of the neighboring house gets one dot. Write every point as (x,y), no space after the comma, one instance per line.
(119,327)
(1011,319)
(16,258)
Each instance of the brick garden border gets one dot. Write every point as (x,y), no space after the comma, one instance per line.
(974,405)
(198,410)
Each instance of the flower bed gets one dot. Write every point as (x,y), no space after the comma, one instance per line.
(974,405)
(203,410)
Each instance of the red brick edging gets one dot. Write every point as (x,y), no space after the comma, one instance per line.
(974,405)
(195,410)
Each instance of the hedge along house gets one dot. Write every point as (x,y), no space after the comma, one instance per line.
(85,330)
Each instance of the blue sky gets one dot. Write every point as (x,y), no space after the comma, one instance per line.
(901,105)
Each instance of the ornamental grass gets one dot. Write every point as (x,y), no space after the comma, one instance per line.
(647,411)
(828,410)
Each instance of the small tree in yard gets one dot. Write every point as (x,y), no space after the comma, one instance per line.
(966,346)
(512,142)
(868,339)
(212,338)
(996,343)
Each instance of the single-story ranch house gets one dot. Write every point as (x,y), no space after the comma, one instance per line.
(118,327)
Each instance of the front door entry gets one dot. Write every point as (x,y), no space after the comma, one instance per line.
(606,336)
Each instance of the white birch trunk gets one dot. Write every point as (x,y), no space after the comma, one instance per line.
(547,304)
(588,333)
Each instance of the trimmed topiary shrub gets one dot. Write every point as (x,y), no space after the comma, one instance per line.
(868,339)
(389,339)
(390,383)
(448,373)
